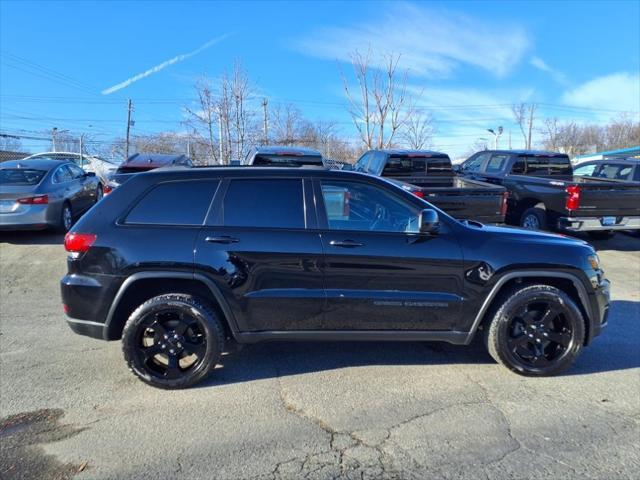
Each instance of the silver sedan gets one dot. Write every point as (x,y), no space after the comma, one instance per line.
(45,193)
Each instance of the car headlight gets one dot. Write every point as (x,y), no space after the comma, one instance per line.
(594,261)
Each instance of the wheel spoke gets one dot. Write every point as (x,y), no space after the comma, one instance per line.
(152,351)
(540,361)
(197,349)
(182,327)
(516,342)
(157,328)
(548,316)
(561,338)
(173,369)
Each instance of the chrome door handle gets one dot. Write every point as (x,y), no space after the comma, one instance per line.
(222,239)
(345,243)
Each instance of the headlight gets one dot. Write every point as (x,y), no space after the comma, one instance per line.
(594,261)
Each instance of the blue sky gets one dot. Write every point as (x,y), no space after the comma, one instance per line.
(467,60)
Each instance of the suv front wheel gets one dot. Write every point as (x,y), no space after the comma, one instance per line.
(537,330)
(172,341)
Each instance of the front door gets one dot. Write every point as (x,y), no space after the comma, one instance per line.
(380,274)
(261,251)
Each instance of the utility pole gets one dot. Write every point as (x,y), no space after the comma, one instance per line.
(509,139)
(54,130)
(266,121)
(126,147)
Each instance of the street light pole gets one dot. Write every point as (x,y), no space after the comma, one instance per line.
(496,136)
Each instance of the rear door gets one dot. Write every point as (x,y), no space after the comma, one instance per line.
(259,246)
(379,273)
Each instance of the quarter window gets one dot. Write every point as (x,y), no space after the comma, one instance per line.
(265,203)
(174,203)
(362,207)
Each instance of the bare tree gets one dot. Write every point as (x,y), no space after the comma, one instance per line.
(379,106)
(524,115)
(418,131)
(204,118)
(10,143)
(287,124)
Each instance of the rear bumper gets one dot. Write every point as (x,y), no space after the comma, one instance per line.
(87,328)
(594,224)
(27,217)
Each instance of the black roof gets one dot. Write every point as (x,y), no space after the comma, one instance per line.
(529,152)
(156,159)
(403,151)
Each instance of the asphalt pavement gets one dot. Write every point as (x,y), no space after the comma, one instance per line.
(70,407)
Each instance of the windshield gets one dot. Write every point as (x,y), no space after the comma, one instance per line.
(20,176)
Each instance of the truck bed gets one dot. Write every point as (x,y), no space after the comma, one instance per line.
(463,198)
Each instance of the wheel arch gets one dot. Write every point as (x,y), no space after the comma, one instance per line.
(141,286)
(565,281)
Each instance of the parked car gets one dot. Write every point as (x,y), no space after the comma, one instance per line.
(545,194)
(181,263)
(89,163)
(616,169)
(277,156)
(144,162)
(44,193)
(429,175)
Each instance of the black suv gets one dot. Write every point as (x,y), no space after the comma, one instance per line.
(180,264)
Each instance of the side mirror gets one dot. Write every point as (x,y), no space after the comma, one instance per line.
(457,167)
(89,174)
(428,221)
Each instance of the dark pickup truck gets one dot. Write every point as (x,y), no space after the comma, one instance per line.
(429,175)
(544,193)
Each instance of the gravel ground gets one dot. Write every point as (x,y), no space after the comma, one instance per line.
(289,410)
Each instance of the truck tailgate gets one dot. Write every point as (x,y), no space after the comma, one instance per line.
(468,199)
(605,197)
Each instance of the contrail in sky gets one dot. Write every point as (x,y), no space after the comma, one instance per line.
(162,66)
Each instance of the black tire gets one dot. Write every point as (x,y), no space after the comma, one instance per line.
(601,234)
(65,222)
(535,343)
(163,334)
(534,219)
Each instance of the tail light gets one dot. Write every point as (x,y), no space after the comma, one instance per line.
(573,197)
(505,203)
(107,189)
(37,200)
(78,242)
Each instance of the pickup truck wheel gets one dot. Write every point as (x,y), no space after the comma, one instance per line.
(537,330)
(534,219)
(172,341)
(601,235)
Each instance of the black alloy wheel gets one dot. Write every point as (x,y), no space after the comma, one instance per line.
(172,341)
(538,330)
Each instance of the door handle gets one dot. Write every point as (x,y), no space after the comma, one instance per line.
(223,239)
(345,243)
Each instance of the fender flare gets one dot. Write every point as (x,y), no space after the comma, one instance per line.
(158,274)
(582,294)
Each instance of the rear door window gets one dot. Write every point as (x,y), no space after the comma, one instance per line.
(174,203)
(62,174)
(264,203)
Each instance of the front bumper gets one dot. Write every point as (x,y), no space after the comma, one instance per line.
(595,224)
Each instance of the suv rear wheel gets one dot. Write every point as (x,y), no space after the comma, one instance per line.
(172,341)
(537,330)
